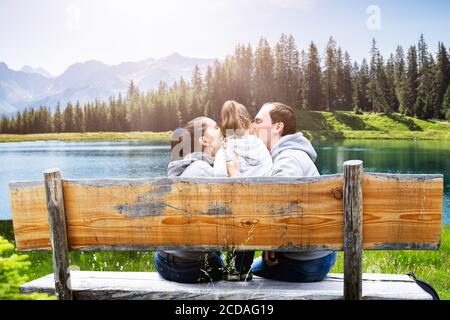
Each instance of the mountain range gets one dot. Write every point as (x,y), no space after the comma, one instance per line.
(32,87)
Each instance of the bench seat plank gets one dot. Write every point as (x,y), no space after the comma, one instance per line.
(149,285)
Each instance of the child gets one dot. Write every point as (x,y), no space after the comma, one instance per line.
(252,155)
(241,154)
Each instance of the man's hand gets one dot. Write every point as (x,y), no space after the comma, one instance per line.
(269,258)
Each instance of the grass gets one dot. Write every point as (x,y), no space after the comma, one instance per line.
(314,124)
(431,266)
(348,125)
(88,136)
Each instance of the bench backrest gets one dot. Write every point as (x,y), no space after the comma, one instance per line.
(352,211)
(285,214)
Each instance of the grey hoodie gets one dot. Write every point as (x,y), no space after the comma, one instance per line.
(197,164)
(294,156)
(254,158)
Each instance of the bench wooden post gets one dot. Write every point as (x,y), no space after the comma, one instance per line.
(353,211)
(58,233)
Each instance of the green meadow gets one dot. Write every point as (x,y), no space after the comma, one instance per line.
(348,125)
(431,266)
(315,125)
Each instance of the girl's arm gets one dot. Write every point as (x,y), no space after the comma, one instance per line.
(233,168)
(220,169)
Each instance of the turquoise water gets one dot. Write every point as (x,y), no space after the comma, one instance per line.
(27,160)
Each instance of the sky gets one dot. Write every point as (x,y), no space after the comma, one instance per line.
(54,34)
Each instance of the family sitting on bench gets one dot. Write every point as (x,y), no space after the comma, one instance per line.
(267,146)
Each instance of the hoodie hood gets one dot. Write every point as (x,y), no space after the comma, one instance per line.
(177,167)
(294,141)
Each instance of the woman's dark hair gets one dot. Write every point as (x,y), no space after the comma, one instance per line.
(185,140)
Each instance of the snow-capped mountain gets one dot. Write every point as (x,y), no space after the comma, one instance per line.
(32,87)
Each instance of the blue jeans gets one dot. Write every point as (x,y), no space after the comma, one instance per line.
(295,270)
(196,272)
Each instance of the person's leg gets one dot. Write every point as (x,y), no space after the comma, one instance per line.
(210,269)
(260,269)
(295,270)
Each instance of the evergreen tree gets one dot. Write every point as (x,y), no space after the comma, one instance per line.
(446,104)
(363,78)
(78,118)
(373,81)
(88,122)
(197,80)
(423,107)
(197,99)
(242,76)
(347,85)
(219,88)
(313,89)
(281,70)
(330,76)
(379,92)
(183,104)
(209,92)
(122,114)
(339,105)
(292,72)
(115,121)
(390,88)
(264,73)
(416,85)
(411,82)
(161,118)
(4,125)
(69,118)
(134,114)
(43,121)
(441,80)
(400,79)
(301,91)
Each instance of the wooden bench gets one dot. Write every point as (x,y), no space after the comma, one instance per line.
(401,212)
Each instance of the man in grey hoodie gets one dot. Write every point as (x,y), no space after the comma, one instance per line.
(293,155)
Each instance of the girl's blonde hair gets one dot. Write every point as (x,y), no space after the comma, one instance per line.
(235,117)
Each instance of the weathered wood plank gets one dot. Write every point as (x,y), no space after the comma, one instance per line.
(405,207)
(353,226)
(168,213)
(58,233)
(30,215)
(149,285)
(245,213)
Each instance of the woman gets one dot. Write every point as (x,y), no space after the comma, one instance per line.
(192,156)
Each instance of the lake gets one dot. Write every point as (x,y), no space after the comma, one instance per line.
(136,159)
